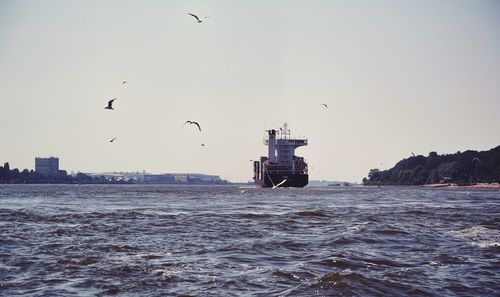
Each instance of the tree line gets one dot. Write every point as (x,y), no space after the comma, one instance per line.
(462,168)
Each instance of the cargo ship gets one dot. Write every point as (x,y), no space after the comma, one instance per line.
(281,167)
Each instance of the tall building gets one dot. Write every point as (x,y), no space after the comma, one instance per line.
(47,166)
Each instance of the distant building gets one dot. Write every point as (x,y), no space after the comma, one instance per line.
(47,166)
(195,178)
(180,178)
(158,178)
(198,178)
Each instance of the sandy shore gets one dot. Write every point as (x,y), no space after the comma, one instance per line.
(475,186)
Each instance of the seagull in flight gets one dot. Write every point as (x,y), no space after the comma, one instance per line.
(112,140)
(196,17)
(326,106)
(413,154)
(282,182)
(202,144)
(124,82)
(110,104)
(193,123)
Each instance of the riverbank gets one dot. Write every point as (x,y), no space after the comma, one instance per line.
(479,186)
(474,186)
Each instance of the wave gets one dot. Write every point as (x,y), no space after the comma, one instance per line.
(480,235)
(311,213)
(337,263)
(342,241)
(255,215)
(391,231)
(85,261)
(354,283)
(417,212)
(492,224)
(116,248)
(286,275)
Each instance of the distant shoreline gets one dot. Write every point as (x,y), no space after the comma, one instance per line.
(474,186)
(478,186)
(470,168)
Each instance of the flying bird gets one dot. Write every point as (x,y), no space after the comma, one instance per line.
(412,154)
(124,82)
(193,123)
(110,104)
(282,182)
(476,160)
(202,144)
(326,106)
(112,140)
(196,17)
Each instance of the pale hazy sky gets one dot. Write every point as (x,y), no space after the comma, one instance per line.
(398,77)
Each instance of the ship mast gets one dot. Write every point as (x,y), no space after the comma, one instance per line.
(285,133)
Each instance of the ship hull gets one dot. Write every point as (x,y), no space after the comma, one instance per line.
(292,180)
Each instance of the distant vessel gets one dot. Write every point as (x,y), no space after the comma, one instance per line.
(344,184)
(281,168)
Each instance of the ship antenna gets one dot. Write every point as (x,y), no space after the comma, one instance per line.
(285,130)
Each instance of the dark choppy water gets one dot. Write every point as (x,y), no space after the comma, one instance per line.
(229,241)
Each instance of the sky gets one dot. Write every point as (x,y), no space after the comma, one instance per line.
(398,77)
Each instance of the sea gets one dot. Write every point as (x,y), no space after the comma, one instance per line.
(164,240)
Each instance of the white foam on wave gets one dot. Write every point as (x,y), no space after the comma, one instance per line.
(479,236)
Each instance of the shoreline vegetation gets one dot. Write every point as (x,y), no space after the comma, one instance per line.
(469,169)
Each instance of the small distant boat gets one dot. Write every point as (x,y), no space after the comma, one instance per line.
(334,185)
